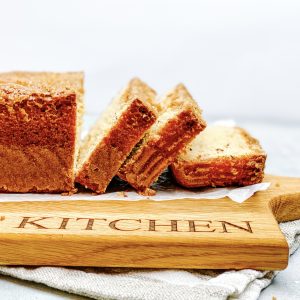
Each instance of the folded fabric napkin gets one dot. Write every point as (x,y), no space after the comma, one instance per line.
(117,283)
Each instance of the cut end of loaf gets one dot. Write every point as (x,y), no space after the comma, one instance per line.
(40,120)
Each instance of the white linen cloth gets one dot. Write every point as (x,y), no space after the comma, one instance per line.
(116,283)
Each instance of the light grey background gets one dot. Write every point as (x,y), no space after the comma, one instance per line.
(240,60)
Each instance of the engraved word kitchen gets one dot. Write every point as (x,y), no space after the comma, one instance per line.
(124,224)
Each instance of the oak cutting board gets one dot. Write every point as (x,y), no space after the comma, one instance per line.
(212,234)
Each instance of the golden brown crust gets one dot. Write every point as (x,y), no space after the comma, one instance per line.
(137,89)
(252,142)
(38,132)
(224,170)
(109,155)
(160,149)
(19,86)
(180,97)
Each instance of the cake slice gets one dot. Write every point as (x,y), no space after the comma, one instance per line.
(40,120)
(178,123)
(220,156)
(118,129)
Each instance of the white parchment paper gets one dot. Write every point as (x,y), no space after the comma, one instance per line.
(166,190)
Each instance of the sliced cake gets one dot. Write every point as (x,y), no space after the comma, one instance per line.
(40,120)
(220,156)
(178,123)
(118,129)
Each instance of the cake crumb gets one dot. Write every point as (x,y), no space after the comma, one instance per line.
(122,194)
(147,192)
(2,218)
(277,184)
(69,193)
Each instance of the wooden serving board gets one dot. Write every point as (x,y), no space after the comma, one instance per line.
(212,234)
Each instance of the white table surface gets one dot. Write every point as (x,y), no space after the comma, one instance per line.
(282,143)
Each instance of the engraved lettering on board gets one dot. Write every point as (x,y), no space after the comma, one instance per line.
(153,225)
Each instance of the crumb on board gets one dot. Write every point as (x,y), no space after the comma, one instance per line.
(277,184)
(69,193)
(122,194)
(147,192)
(2,218)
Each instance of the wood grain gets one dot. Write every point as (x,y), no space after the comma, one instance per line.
(185,233)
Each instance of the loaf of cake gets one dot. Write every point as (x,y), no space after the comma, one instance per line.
(118,129)
(40,120)
(220,156)
(179,121)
